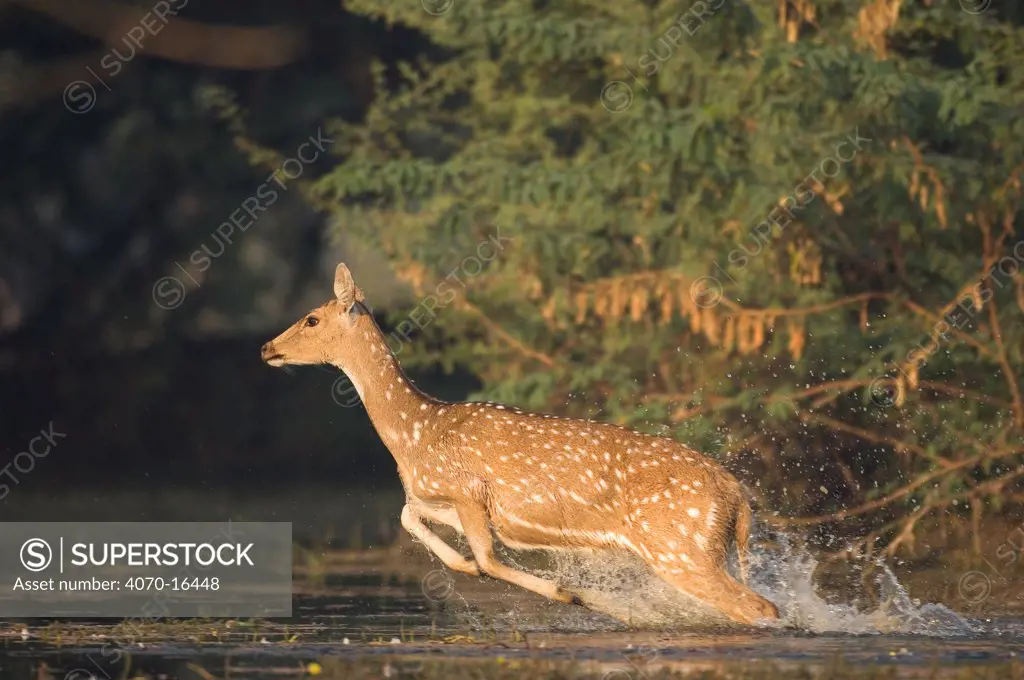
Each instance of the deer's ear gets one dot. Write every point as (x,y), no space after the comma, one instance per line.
(345,289)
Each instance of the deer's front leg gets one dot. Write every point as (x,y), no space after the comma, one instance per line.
(413,523)
(478,532)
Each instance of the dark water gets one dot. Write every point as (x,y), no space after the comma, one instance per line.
(393,612)
(396,626)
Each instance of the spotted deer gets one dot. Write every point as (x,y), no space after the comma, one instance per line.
(534,481)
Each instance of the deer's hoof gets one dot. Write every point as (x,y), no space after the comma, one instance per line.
(467,567)
(570,598)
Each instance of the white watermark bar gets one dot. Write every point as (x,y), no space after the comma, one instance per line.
(145,570)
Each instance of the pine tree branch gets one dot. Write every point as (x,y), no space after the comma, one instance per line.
(1004,362)
(903,491)
(713,403)
(963,392)
(991,254)
(867,435)
(840,387)
(507,337)
(989,487)
(941,316)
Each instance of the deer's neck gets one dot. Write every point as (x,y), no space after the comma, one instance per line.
(402,415)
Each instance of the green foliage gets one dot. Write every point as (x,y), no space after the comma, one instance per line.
(612,215)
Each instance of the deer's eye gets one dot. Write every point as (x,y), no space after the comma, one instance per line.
(312,321)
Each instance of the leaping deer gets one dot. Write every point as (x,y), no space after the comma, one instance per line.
(535,481)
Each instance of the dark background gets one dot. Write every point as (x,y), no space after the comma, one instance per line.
(95,208)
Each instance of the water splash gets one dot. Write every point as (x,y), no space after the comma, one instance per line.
(621,586)
(785,576)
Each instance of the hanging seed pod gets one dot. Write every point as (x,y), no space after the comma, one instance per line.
(940,209)
(582,304)
(810,12)
(666,299)
(536,290)
(754,332)
(729,333)
(601,306)
(614,301)
(864,317)
(638,304)
(743,333)
(547,312)
(696,320)
(709,324)
(688,308)
(686,304)
(797,338)
(757,342)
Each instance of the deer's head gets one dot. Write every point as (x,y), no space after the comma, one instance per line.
(323,336)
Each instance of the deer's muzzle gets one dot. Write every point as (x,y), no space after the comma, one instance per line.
(271,355)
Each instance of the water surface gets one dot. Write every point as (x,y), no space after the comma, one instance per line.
(396,626)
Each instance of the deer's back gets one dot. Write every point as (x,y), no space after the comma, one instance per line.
(533,463)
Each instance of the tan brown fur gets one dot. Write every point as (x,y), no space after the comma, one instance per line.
(535,481)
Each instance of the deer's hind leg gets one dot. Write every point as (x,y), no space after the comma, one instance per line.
(690,554)
(714,587)
(476,525)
